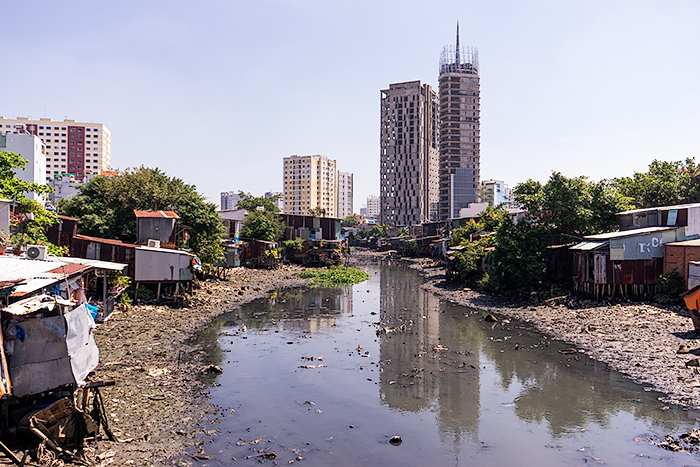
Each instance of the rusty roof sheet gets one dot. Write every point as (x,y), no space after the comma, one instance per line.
(155,214)
(695,242)
(108,241)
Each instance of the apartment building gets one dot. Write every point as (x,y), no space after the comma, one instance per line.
(408,171)
(373,207)
(460,129)
(345,198)
(72,147)
(494,193)
(310,185)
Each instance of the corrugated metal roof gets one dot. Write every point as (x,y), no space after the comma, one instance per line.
(629,233)
(695,242)
(97,264)
(588,246)
(235,215)
(659,208)
(35,274)
(156,214)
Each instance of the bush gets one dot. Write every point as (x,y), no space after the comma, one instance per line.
(669,287)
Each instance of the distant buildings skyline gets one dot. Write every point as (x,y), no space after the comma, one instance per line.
(421,177)
(72,147)
(311,185)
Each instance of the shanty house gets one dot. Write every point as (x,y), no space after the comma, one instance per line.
(157,226)
(622,263)
(682,215)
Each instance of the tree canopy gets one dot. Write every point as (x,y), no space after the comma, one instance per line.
(262,221)
(12,187)
(571,207)
(106,206)
(31,218)
(664,184)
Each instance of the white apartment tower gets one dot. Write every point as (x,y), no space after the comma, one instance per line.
(460,129)
(345,199)
(373,207)
(408,174)
(71,147)
(310,184)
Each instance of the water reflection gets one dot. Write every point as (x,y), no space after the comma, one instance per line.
(397,360)
(435,365)
(308,310)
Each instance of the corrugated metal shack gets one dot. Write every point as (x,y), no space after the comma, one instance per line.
(682,215)
(311,227)
(144,264)
(626,263)
(156,225)
(62,233)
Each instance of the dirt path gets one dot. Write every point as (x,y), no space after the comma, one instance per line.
(159,405)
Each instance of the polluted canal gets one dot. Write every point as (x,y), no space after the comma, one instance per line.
(385,373)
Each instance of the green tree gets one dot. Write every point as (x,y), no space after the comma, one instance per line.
(571,207)
(518,259)
(349,221)
(252,203)
(12,187)
(106,206)
(664,184)
(262,221)
(32,218)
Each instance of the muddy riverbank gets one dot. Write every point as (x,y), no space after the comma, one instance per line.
(159,405)
(653,345)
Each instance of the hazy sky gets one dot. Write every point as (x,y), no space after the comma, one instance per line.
(218,92)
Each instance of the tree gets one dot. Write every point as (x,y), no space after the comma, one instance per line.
(262,221)
(106,206)
(664,184)
(31,218)
(571,207)
(251,203)
(12,187)
(350,221)
(518,260)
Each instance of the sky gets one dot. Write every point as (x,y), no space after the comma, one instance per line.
(218,92)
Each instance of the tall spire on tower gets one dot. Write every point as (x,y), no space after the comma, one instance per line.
(457,47)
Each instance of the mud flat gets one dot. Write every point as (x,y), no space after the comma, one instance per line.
(653,345)
(159,405)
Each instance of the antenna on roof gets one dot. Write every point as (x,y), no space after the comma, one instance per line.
(457,47)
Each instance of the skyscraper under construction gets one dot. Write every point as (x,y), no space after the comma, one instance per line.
(460,129)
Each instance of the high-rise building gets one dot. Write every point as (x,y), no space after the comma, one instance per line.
(373,207)
(460,129)
(229,200)
(32,149)
(310,184)
(494,193)
(408,153)
(345,199)
(280,200)
(71,147)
